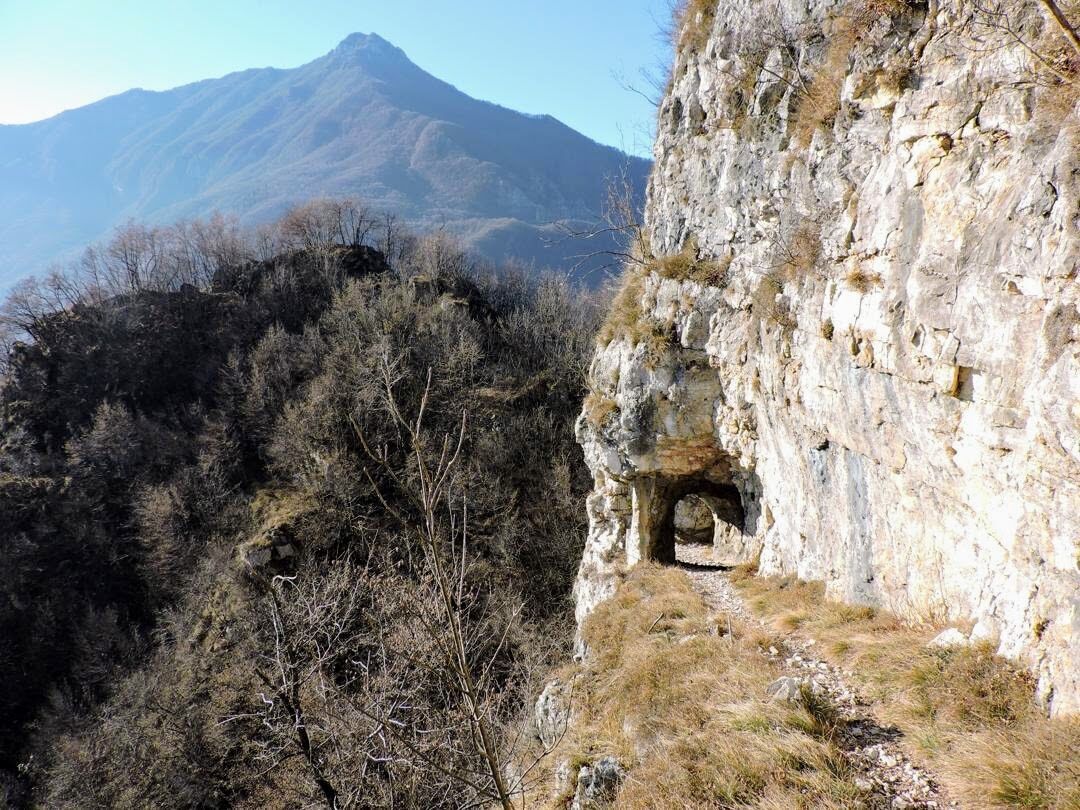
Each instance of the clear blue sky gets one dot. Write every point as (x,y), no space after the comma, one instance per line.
(560,57)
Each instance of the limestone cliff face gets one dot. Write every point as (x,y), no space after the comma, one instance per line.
(886,381)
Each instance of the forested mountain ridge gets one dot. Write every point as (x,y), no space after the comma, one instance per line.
(219,586)
(362,120)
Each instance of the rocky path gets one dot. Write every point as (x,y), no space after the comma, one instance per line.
(874,751)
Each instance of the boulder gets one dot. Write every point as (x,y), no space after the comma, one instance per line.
(949,638)
(597,784)
(553,712)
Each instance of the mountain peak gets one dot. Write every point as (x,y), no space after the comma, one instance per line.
(369,47)
(361,120)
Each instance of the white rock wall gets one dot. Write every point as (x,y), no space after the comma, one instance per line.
(890,373)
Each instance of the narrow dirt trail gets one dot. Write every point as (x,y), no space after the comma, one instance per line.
(874,751)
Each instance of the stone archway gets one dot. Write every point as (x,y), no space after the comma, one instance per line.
(656,504)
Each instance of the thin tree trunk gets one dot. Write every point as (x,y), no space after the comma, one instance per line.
(1063,23)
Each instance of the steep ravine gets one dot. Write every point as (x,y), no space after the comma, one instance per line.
(880,371)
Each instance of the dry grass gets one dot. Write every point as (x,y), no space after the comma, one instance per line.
(867,11)
(1037,768)
(895,74)
(968,713)
(624,312)
(626,319)
(764,306)
(861,280)
(819,96)
(694,21)
(599,408)
(682,705)
(688,265)
(1058,101)
(625,316)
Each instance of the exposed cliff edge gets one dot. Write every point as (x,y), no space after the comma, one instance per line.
(866,351)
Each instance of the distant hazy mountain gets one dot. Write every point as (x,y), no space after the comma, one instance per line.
(362,120)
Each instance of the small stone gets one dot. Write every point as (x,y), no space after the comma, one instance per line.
(786,690)
(949,638)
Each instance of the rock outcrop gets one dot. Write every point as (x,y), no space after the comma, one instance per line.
(880,371)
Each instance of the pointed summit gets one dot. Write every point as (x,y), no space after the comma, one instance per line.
(363,120)
(369,49)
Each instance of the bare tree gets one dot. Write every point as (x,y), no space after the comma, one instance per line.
(620,223)
(326,223)
(437,521)
(199,248)
(1067,28)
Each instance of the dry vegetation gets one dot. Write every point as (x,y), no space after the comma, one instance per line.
(695,21)
(625,316)
(626,319)
(218,460)
(819,95)
(861,280)
(599,408)
(681,704)
(767,308)
(969,714)
(816,92)
(801,252)
(688,265)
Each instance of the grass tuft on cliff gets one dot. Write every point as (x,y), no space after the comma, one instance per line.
(681,703)
(695,20)
(627,319)
(969,714)
(626,316)
(689,265)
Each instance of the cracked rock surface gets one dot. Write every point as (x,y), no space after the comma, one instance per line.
(889,373)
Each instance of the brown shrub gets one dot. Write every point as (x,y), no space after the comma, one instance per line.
(804,248)
(818,101)
(861,280)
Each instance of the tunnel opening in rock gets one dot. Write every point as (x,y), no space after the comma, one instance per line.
(696,521)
